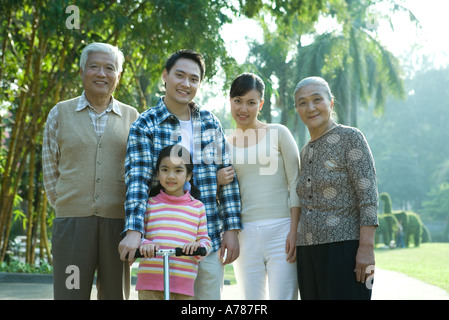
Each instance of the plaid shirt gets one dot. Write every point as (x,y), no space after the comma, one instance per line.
(157,128)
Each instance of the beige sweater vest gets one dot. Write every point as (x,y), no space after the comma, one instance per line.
(92,169)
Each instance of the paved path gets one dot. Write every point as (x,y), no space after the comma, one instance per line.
(388,285)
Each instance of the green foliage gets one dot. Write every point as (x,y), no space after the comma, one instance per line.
(386,200)
(426,236)
(437,207)
(412,225)
(388,227)
(410,221)
(409,144)
(284,11)
(22,267)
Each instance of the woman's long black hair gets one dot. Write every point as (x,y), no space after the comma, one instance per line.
(179,151)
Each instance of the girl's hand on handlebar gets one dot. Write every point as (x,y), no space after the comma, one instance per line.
(148,250)
(189,248)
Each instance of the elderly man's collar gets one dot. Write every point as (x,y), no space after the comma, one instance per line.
(84,103)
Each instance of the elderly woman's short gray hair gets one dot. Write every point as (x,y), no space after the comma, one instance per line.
(317,81)
(105,48)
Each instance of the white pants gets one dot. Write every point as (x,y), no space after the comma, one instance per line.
(209,281)
(262,254)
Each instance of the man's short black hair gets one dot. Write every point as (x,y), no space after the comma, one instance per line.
(186,54)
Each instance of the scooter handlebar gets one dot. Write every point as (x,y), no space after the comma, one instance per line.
(201,251)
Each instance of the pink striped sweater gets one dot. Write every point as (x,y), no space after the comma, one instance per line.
(172,222)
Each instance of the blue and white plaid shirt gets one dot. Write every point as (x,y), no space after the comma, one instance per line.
(157,128)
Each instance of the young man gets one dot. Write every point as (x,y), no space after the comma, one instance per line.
(83,154)
(177,119)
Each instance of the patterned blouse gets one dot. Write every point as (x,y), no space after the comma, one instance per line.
(337,187)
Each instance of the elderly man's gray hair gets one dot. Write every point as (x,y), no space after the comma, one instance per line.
(105,48)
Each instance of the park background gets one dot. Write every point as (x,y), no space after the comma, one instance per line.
(386,61)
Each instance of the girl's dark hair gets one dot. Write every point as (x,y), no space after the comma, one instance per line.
(176,150)
(245,83)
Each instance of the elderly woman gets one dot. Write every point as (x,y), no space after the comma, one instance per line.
(337,189)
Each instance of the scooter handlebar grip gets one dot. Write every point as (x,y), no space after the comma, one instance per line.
(201,251)
(137,254)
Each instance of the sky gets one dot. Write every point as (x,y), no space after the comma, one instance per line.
(431,38)
(405,39)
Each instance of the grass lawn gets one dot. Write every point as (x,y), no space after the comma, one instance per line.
(229,274)
(429,262)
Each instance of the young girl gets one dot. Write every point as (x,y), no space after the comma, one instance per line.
(174,218)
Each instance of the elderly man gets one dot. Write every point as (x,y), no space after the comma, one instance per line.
(84,151)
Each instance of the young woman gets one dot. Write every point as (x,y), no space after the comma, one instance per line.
(266,160)
(174,218)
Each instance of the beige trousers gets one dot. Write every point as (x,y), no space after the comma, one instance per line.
(210,278)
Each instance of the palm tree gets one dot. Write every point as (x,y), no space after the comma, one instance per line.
(356,64)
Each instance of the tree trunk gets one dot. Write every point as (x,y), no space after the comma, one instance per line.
(44,246)
(30,206)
